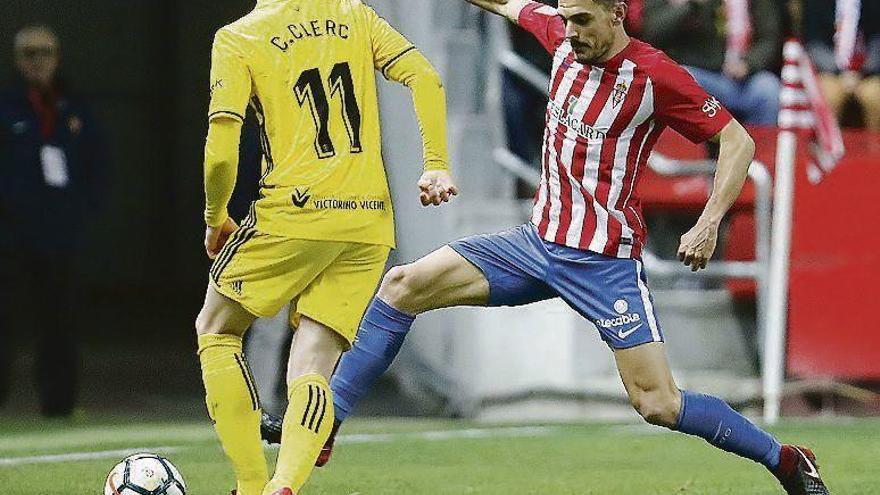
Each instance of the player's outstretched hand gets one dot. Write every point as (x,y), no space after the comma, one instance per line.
(698,245)
(216,237)
(436,187)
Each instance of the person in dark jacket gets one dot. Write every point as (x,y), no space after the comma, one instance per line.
(732,48)
(52,160)
(843,40)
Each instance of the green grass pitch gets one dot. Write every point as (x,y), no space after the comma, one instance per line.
(444,457)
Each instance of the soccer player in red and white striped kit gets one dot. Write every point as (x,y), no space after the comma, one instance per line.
(610,99)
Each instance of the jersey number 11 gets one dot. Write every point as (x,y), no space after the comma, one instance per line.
(310,88)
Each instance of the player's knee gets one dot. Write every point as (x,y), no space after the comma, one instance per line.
(656,407)
(399,286)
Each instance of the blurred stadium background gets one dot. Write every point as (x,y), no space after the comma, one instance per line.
(139,281)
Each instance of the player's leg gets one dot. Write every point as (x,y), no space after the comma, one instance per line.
(326,315)
(384,328)
(443,278)
(645,373)
(654,394)
(315,350)
(613,293)
(254,275)
(496,270)
(230,392)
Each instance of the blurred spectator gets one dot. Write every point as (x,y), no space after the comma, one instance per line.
(51,164)
(843,40)
(730,46)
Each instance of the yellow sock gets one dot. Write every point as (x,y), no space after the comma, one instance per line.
(307,425)
(232,402)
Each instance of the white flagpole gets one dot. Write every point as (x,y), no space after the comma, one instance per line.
(790,117)
(777,285)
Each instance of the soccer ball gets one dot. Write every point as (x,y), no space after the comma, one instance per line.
(144,474)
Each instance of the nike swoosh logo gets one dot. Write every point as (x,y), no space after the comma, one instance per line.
(623,335)
(812,472)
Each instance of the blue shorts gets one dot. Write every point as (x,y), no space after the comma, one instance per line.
(611,292)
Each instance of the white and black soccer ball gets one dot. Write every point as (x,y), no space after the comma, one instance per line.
(144,474)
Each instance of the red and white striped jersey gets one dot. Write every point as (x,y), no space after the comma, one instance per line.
(602,123)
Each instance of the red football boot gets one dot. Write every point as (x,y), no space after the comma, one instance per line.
(798,472)
(327,449)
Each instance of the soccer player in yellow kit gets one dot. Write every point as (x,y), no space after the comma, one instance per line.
(320,233)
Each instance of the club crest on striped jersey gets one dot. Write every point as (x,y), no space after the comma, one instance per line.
(619,93)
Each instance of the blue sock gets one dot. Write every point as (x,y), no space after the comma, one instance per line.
(377,344)
(713,420)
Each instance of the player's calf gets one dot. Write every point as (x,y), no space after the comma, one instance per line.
(230,393)
(310,415)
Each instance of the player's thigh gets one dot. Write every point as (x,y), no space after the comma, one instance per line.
(222,315)
(440,279)
(264,272)
(316,348)
(339,295)
(501,269)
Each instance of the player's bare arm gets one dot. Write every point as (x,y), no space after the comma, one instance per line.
(506,8)
(737,152)
(221,170)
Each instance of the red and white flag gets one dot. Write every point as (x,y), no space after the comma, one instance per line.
(803,106)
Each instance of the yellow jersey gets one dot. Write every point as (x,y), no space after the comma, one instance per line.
(308,70)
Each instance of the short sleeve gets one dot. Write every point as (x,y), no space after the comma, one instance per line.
(389,45)
(230,78)
(544,23)
(682,104)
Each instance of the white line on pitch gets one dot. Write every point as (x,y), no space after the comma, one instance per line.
(506,432)
(433,436)
(81,456)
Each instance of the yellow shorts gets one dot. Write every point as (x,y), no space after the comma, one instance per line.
(329,282)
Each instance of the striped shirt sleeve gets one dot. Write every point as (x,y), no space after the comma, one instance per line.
(544,23)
